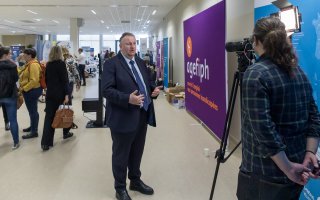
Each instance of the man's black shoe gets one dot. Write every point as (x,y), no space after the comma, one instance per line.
(30,135)
(122,195)
(141,187)
(26,129)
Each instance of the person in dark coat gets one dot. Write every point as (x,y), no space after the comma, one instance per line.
(8,91)
(57,94)
(127,86)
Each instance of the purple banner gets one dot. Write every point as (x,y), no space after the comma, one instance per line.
(205,72)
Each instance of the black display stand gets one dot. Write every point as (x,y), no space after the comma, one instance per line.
(98,123)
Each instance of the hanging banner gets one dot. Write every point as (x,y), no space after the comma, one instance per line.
(143,46)
(158,57)
(165,63)
(45,50)
(307,46)
(205,67)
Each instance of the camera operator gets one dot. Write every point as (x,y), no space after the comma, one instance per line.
(280,120)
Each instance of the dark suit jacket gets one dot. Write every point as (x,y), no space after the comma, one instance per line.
(118,83)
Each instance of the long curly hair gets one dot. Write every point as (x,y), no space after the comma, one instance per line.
(271,32)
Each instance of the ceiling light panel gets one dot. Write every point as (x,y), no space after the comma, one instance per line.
(30,11)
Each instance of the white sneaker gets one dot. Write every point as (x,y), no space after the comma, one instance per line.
(15,146)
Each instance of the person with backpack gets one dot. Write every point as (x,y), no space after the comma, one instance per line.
(31,89)
(8,91)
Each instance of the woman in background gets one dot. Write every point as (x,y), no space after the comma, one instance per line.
(31,90)
(8,93)
(74,78)
(57,94)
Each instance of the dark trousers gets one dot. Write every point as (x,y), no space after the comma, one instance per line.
(48,132)
(81,73)
(127,150)
(31,99)
(253,187)
(5,115)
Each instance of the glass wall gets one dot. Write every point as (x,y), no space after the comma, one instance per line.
(91,41)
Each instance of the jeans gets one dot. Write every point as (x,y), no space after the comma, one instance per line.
(5,115)
(10,105)
(254,187)
(31,99)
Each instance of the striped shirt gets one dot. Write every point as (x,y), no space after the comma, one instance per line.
(278,114)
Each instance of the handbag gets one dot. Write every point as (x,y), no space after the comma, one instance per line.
(63,117)
(20,100)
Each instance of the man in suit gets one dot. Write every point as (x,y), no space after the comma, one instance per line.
(127,85)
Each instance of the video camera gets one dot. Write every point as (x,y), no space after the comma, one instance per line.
(244,51)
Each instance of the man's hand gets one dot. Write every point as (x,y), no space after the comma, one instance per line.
(311,161)
(156,91)
(298,173)
(136,99)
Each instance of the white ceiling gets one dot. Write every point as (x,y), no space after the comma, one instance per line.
(15,19)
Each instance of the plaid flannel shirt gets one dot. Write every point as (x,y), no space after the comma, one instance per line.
(278,114)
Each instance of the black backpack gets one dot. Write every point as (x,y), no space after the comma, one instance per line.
(6,84)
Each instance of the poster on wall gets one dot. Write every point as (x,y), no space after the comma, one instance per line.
(16,50)
(165,63)
(307,46)
(205,67)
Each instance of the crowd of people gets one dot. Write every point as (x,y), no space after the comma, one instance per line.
(61,74)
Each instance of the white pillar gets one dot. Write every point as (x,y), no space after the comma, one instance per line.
(74,33)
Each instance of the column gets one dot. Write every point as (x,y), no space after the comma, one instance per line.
(74,34)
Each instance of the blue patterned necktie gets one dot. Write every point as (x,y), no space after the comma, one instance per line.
(142,90)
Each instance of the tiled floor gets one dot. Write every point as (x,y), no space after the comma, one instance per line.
(80,168)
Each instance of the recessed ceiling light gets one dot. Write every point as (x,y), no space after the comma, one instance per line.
(102,21)
(55,21)
(154,12)
(138,20)
(30,11)
(107,27)
(144,27)
(38,20)
(13,31)
(148,21)
(94,12)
